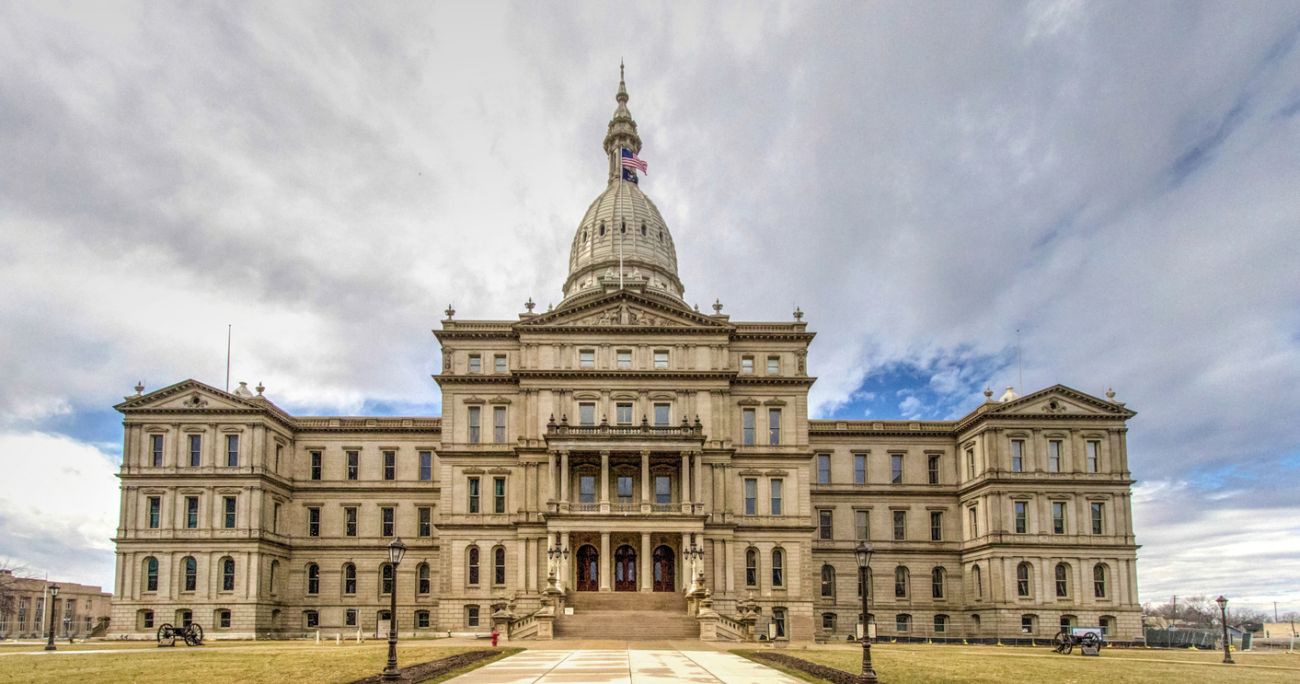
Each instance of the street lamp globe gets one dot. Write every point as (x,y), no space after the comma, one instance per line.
(1221,601)
(54,591)
(863,554)
(396,550)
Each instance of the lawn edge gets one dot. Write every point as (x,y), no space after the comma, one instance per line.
(792,670)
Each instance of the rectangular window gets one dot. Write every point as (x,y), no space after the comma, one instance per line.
(475,363)
(475,416)
(422,619)
(1098,515)
(196,450)
(312,618)
(471,616)
(778,619)
(499,363)
(900,525)
(350,617)
(747,420)
(974,514)
(155,512)
(350,521)
(896,468)
(774,426)
(587,358)
(661,359)
(623,414)
(473,494)
(933,469)
(751,496)
(825,524)
(313,521)
(624,488)
(232,451)
(156,450)
(388,526)
(1017,455)
(315,465)
(862,525)
(773,365)
(499,424)
(747,365)
(230,512)
(390,465)
(663,489)
(587,489)
(1058,517)
(777,490)
(823,468)
(1022,517)
(279,451)
(498,495)
(1054,456)
(353,464)
(936,526)
(426,466)
(662,414)
(624,359)
(191,512)
(1093,448)
(586,414)
(859,469)
(970,464)
(426,521)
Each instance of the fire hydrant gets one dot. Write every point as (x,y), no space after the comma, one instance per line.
(495,635)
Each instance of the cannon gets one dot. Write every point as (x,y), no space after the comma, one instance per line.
(1088,639)
(192,634)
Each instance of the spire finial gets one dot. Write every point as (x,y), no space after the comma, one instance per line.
(622,86)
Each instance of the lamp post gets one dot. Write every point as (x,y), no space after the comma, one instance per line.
(54,593)
(396,549)
(863,553)
(1223,616)
(556,554)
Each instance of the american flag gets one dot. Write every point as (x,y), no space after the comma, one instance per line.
(630,161)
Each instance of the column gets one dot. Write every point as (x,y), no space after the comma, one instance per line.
(697,478)
(562,564)
(684,486)
(551,493)
(645,484)
(521,561)
(684,579)
(564,480)
(647,555)
(731,565)
(604,481)
(605,565)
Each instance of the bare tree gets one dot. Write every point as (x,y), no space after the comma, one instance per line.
(10,573)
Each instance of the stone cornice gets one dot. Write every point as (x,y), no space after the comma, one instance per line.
(614,374)
(805,380)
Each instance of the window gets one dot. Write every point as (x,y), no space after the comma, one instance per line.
(587,358)
(196,450)
(662,416)
(979,581)
(316,465)
(1106,623)
(1054,456)
(228,574)
(229,502)
(936,525)
(426,466)
(778,567)
(823,468)
(941,624)
(423,583)
(970,464)
(828,581)
(390,465)
(354,464)
(472,560)
(475,363)
(773,365)
(426,521)
(279,451)
(146,616)
(422,619)
(896,468)
(751,496)
(751,567)
(499,363)
(151,574)
(498,495)
(156,450)
(1098,515)
(499,424)
(936,583)
(900,525)
(499,566)
(623,413)
(1022,517)
(1062,580)
(1058,517)
(778,619)
(623,488)
(1017,455)
(349,579)
(974,513)
(862,525)
(475,415)
(747,365)
(587,489)
(313,521)
(313,579)
(825,524)
(747,420)
(275,567)
(232,451)
(1093,448)
(275,517)
(776,495)
(1099,580)
(310,619)
(774,426)
(901,581)
(473,495)
(190,572)
(350,617)
(859,469)
(1022,580)
(386,579)
(663,489)
(350,521)
(933,469)
(587,414)
(471,616)
(386,527)
(223,619)
(155,512)
(903,623)
(828,622)
(624,359)
(1027,624)
(661,359)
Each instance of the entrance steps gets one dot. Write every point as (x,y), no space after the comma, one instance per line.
(627,600)
(627,616)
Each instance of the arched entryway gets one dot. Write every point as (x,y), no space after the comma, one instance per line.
(588,578)
(664,569)
(625,569)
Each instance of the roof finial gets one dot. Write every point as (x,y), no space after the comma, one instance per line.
(622,86)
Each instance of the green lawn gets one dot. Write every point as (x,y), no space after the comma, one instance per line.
(219,661)
(899,663)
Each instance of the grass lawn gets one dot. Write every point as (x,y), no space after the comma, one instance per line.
(219,661)
(899,663)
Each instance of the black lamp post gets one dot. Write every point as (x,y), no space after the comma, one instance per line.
(863,553)
(1223,616)
(396,549)
(54,593)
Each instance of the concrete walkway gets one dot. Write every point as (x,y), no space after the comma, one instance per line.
(626,667)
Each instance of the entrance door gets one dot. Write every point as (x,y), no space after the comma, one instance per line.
(663,563)
(588,572)
(625,569)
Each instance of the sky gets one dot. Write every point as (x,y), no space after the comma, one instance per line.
(958,195)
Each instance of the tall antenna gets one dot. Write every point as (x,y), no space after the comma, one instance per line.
(228,357)
(1020,369)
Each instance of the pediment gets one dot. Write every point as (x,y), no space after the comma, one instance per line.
(1060,400)
(625,310)
(189,395)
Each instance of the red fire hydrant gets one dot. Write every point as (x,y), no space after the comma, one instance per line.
(495,635)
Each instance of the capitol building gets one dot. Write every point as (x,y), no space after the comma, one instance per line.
(622,466)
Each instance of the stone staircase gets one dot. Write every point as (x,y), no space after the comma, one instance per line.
(627,616)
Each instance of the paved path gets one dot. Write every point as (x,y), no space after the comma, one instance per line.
(626,667)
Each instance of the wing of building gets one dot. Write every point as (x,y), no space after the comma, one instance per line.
(650,466)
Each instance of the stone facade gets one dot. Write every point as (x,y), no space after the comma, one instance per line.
(625,442)
(80,610)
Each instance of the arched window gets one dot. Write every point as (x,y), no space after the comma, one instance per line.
(602,229)
(979,581)
(936,583)
(643,230)
(778,567)
(275,572)
(190,569)
(227,574)
(1062,580)
(903,623)
(941,624)
(386,579)
(975,623)
(313,579)
(751,567)
(828,581)
(422,584)
(1023,577)
(349,579)
(499,565)
(901,580)
(472,559)
(151,574)
(1099,580)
